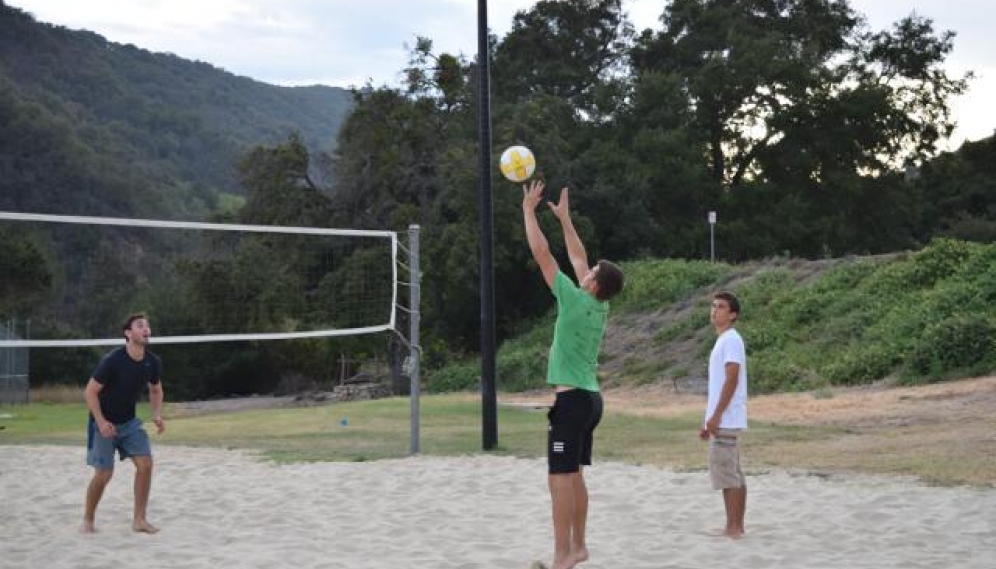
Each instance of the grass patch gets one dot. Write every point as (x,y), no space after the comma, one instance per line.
(451,426)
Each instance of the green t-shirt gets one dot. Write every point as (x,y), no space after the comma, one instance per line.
(577,336)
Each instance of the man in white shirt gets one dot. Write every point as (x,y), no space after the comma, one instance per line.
(726,411)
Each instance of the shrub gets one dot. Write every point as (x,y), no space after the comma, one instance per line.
(455,377)
(957,343)
(521,369)
(862,363)
(764,288)
(937,261)
(653,283)
(774,371)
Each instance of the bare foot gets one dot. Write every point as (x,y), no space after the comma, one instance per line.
(568,564)
(734,533)
(144,527)
(578,556)
(88,527)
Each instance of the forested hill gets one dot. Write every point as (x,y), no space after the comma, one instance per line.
(93,127)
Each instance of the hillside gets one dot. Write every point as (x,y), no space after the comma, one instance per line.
(94,127)
(670,344)
(907,318)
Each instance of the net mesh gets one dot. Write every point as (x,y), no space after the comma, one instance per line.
(76,278)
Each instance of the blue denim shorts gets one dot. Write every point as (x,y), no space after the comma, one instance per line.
(131,441)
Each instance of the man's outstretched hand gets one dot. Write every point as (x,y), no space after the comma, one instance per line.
(561,209)
(532,194)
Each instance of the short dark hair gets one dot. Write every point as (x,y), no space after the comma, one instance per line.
(131,320)
(609,279)
(730,299)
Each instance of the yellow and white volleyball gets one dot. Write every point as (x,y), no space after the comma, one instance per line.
(517,163)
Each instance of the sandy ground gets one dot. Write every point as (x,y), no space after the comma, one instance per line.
(222,508)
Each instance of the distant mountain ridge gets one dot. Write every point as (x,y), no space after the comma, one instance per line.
(93,127)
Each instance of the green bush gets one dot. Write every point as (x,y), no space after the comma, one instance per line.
(859,364)
(939,260)
(654,284)
(770,371)
(765,288)
(957,343)
(760,335)
(461,376)
(522,369)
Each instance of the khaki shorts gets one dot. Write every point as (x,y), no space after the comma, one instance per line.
(724,460)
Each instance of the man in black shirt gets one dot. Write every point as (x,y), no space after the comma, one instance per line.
(112,395)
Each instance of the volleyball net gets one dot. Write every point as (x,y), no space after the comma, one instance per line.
(73,279)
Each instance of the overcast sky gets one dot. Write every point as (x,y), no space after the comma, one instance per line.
(348,42)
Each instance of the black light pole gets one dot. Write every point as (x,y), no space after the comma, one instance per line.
(489,396)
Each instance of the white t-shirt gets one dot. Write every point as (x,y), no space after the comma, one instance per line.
(729,348)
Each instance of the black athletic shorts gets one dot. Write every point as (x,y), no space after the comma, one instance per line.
(573,419)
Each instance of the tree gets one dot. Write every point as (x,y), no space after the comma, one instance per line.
(443,77)
(26,272)
(796,104)
(959,189)
(764,77)
(279,190)
(571,50)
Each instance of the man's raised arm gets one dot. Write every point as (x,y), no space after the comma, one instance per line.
(532,194)
(575,249)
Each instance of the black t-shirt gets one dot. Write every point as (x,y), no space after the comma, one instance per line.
(123,379)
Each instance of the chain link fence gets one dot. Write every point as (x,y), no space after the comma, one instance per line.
(13,368)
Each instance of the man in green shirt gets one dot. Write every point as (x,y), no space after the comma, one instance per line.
(581,315)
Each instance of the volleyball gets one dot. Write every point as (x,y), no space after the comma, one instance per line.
(517,163)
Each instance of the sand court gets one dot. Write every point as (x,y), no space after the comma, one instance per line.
(222,508)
